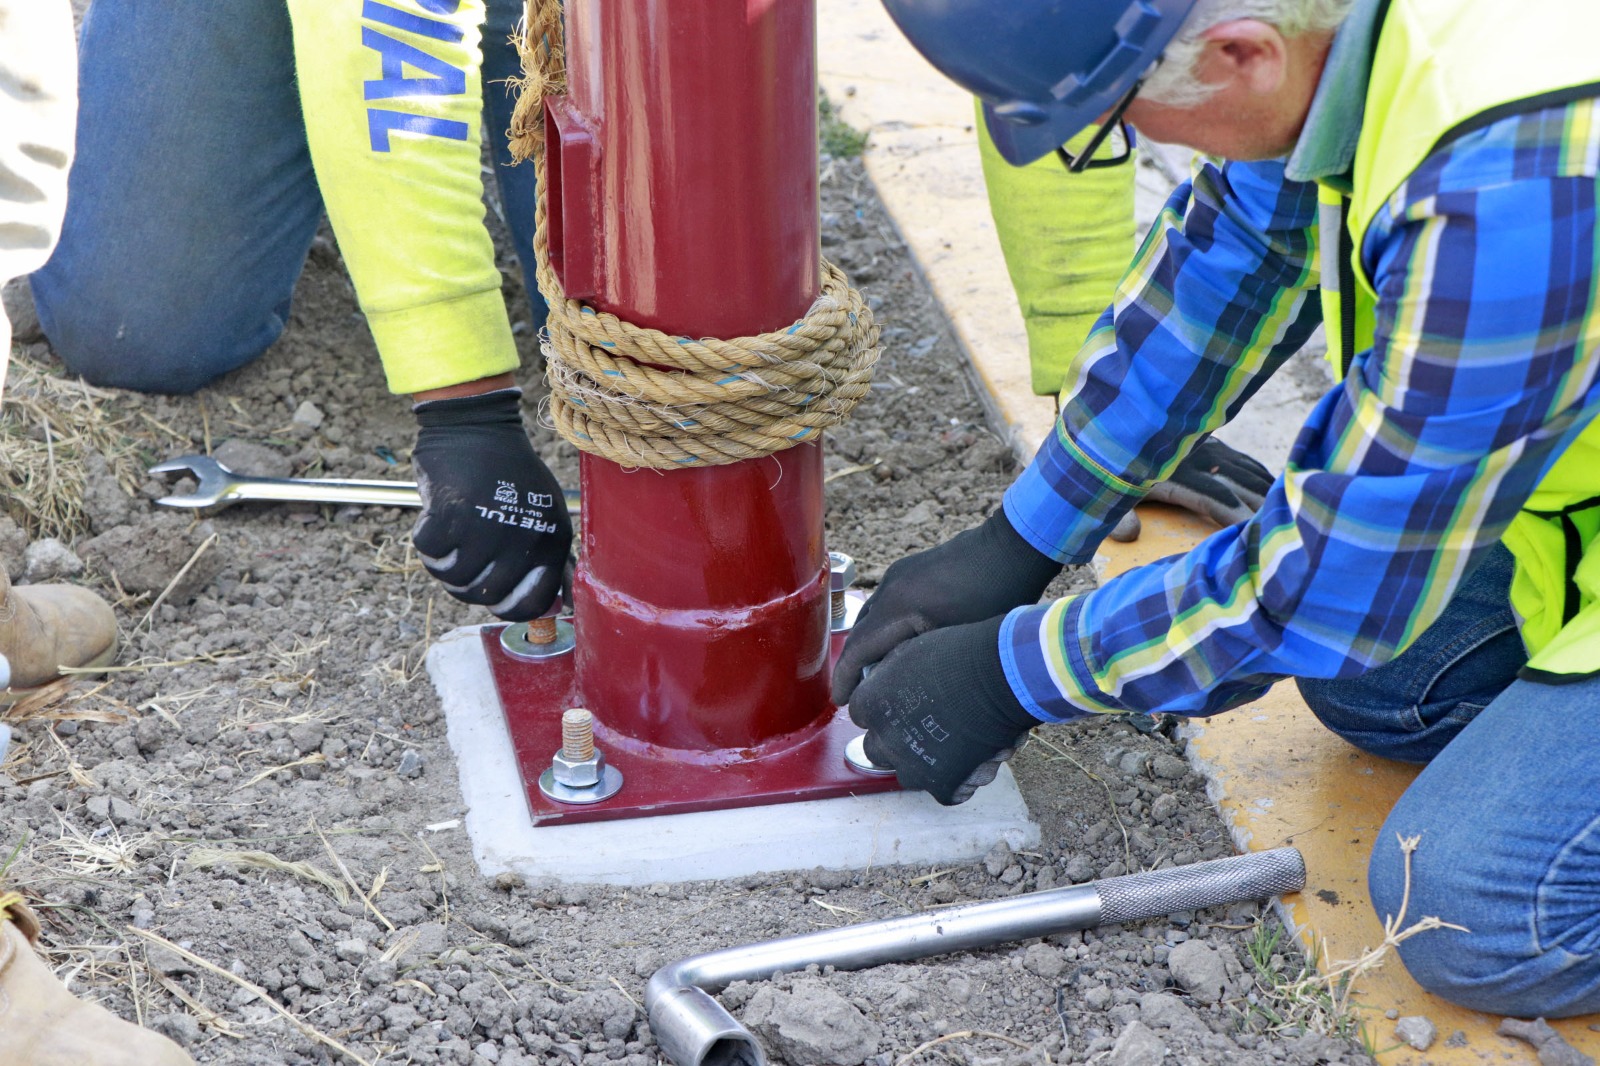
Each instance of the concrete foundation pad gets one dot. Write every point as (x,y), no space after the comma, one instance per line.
(839,834)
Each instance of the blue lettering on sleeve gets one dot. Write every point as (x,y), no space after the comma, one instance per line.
(373,11)
(380,123)
(442,79)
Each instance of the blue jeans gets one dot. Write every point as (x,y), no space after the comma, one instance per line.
(1507,808)
(192,202)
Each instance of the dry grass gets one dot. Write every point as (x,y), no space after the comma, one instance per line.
(49,427)
(206,858)
(1318,997)
(103,853)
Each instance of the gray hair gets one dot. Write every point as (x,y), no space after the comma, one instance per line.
(1174,82)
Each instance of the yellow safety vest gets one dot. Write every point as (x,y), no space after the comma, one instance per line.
(1440,69)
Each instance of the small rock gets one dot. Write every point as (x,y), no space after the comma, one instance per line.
(1137,1046)
(149,733)
(998,859)
(1162,1010)
(307,414)
(1417,1031)
(411,764)
(1097,998)
(1044,961)
(1457,1039)
(1133,763)
(124,813)
(248,457)
(401,1017)
(308,736)
(1165,806)
(1079,869)
(488,1051)
(182,1028)
(608,1013)
(311,977)
(167,962)
(353,951)
(1552,1047)
(17,297)
(1198,969)
(13,542)
(49,560)
(1169,767)
(811,1025)
(430,940)
(919,515)
(1391,1014)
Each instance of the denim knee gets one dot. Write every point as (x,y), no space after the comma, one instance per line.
(1514,955)
(129,344)
(1412,706)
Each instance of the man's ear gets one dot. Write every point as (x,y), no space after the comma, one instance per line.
(1249,52)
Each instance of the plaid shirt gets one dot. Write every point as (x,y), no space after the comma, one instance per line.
(1484,368)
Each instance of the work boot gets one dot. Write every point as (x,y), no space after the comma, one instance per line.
(46,627)
(42,1024)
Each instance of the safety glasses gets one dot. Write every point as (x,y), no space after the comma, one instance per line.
(1113,131)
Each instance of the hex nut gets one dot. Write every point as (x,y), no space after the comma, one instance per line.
(580,774)
(841,571)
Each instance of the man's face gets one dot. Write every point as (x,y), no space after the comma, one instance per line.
(1264,86)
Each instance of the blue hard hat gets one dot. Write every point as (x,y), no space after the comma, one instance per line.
(1044,69)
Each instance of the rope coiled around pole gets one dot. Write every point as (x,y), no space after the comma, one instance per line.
(643,398)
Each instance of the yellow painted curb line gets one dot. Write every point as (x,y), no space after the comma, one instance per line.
(1276,775)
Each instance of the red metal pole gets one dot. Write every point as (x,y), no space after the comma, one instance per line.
(684,197)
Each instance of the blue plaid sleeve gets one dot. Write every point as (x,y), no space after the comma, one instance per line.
(1221,293)
(1486,364)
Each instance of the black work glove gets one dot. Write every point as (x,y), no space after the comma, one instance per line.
(494,525)
(977,574)
(1216,482)
(940,711)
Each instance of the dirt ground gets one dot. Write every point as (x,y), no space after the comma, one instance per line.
(270,710)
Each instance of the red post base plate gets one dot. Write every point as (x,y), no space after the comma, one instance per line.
(809,765)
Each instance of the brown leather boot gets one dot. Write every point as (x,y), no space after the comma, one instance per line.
(42,1024)
(46,627)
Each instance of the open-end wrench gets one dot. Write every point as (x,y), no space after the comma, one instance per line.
(217,486)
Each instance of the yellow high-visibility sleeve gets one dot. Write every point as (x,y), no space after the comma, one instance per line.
(392,98)
(1067,240)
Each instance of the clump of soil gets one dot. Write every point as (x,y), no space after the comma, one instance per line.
(272,705)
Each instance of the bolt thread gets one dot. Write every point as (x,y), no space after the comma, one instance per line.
(542,631)
(838,606)
(577,734)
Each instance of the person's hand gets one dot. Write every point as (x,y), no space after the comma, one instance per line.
(1216,482)
(494,526)
(977,574)
(940,712)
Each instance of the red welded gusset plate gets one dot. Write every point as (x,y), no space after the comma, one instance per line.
(663,781)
